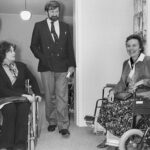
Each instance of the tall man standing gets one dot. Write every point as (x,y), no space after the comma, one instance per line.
(51,43)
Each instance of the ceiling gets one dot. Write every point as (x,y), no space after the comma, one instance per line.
(35,6)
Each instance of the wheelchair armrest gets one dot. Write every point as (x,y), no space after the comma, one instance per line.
(145,94)
(109,85)
(38,99)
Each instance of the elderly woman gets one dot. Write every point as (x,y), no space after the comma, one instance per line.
(12,83)
(114,113)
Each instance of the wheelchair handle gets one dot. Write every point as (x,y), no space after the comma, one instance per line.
(28,87)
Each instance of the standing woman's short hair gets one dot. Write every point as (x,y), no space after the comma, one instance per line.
(137,37)
(4,48)
(52,5)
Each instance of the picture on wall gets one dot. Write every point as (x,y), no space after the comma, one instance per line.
(140,18)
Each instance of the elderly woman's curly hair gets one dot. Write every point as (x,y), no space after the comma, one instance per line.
(4,48)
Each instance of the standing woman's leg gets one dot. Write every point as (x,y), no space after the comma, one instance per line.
(7,135)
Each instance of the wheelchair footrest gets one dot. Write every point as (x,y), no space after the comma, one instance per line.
(89,120)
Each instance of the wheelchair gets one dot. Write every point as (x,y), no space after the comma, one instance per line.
(33,116)
(92,121)
(138,136)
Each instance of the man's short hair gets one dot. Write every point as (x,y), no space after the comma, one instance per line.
(51,5)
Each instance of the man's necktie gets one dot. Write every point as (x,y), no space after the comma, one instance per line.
(54,32)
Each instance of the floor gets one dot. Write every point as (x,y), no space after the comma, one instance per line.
(81,138)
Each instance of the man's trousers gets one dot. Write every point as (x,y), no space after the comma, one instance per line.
(56,98)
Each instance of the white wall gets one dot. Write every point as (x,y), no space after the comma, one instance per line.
(15,30)
(101,30)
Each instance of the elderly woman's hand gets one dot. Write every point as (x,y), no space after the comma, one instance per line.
(141,82)
(31,98)
(111,96)
(144,82)
(134,86)
(137,84)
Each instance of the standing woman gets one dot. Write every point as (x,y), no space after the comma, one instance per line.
(12,83)
(115,114)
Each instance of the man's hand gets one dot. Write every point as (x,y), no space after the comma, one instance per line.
(70,71)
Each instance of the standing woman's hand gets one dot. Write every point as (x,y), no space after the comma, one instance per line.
(111,96)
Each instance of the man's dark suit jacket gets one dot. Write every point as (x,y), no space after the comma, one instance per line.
(52,57)
(18,88)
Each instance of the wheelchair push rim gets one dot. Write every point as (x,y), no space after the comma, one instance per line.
(131,140)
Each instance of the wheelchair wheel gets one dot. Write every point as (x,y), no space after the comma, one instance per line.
(131,140)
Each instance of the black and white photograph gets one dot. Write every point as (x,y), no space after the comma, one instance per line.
(74,75)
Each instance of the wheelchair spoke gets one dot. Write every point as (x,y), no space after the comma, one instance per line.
(133,143)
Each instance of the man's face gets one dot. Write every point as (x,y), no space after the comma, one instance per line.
(53,14)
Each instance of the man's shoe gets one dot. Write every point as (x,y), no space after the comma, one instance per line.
(51,128)
(64,132)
